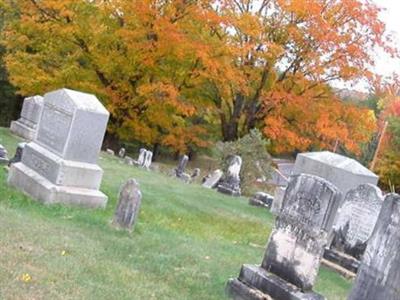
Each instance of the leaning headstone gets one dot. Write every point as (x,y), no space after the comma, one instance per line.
(26,125)
(278,199)
(18,154)
(379,274)
(60,165)
(261,199)
(110,152)
(231,183)
(355,221)
(122,152)
(180,170)
(293,255)
(147,159)
(3,155)
(211,181)
(128,206)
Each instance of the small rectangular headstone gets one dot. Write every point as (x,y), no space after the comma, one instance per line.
(211,181)
(129,202)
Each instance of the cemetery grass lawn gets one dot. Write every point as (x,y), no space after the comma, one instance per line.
(187,243)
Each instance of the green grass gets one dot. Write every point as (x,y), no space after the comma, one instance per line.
(187,243)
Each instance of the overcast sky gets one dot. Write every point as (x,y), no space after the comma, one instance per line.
(391,16)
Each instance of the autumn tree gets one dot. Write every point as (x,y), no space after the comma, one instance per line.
(294,48)
(145,59)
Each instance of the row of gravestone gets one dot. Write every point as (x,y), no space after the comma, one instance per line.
(302,231)
(60,165)
(144,160)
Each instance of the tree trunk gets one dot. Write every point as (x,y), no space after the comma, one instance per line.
(230,127)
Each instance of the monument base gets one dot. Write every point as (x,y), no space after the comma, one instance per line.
(343,260)
(255,283)
(40,188)
(22,130)
(229,190)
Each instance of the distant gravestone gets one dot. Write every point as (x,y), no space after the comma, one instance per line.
(195,174)
(129,161)
(122,152)
(212,180)
(60,165)
(26,125)
(355,221)
(142,157)
(148,159)
(231,183)
(261,199)
(379,274)
(128,205)
(18,154)
(180,170)
(292,258)
(110,152)
(3,155)
(278,199)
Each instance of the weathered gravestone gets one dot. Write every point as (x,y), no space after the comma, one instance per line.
(278,199)
(110,152)
(18,154)
(142,157)
(60,165)
(147,159)
(231,183)
(211,181)
(26,125)
(180,170)
(292,258)
(128,205)
(122,152)
(379,274)
(353,226)
(195,174)
(3,155)
(261,199)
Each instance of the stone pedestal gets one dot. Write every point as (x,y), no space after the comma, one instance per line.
(293,255)
(60,165)
(26,125)
(256,283)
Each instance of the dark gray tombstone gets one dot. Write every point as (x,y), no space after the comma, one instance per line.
(180,170)
(355,221)
(128,206)
(3,155)
(18,154)
(379,274)
(231,183)
(261,199)
(293,255)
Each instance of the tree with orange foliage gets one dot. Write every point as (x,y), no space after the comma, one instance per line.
(290,50)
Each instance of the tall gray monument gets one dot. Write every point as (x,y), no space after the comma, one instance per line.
(293,255)
(26,125)
(379,274)
(345,173)
(355,221)
(60,165)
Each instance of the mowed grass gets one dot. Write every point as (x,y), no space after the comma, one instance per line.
(188,241)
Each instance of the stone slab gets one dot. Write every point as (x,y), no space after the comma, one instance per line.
(256,283)
(41,189)
(343,260)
